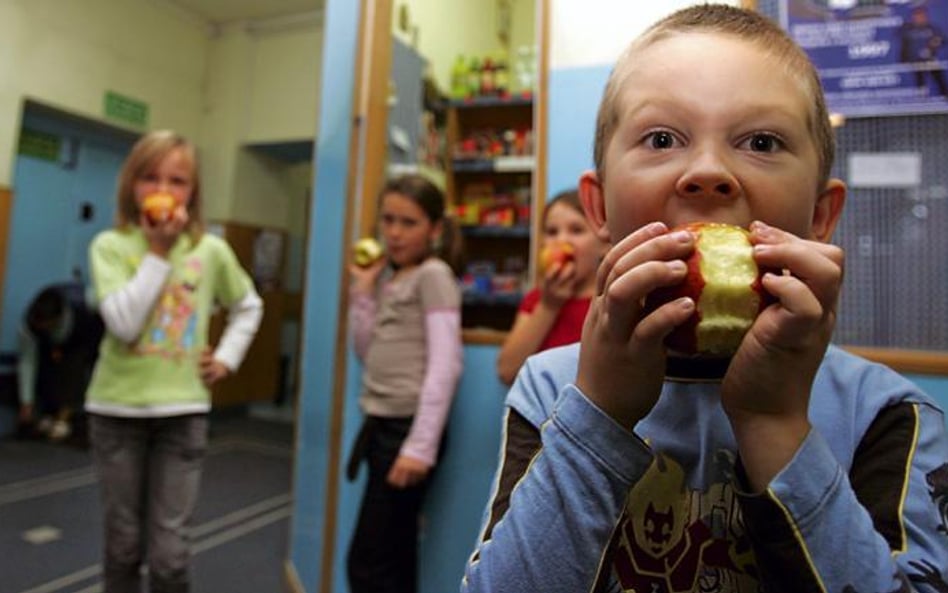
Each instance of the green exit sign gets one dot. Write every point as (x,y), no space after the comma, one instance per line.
(125,109)
(39,145)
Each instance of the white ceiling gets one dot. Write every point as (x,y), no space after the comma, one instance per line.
(219,12)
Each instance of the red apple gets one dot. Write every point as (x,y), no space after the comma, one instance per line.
(159,207)
(559,252)
(725,283)
(366,252)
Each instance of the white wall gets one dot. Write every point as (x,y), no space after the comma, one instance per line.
(594,32)
(260,88)
(524,25)
(284,85)
(221,91)
(68,54)
(449,27)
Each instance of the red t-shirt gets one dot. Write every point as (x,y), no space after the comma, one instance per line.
(568,327)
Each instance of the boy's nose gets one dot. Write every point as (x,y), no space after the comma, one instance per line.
(708,175)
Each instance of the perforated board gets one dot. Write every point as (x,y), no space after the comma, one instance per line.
(895,293)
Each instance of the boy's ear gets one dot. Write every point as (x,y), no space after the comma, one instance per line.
(594,203)
(827,210)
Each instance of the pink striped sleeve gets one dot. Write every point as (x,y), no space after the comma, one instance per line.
(444,365)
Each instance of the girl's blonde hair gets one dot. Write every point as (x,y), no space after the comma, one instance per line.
(739,23)
(147,153)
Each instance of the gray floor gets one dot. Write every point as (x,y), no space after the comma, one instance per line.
(50,517)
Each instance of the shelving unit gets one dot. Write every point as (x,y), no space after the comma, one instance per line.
(489,181)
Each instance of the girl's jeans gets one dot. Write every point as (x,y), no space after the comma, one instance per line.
(149,473)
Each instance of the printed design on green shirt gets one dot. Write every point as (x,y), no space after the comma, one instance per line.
(673,539)
(172,330)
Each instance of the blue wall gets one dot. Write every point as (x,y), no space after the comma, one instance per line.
(461,488)
(321,310)
(573,100)
(45,225)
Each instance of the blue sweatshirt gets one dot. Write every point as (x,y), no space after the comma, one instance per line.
(580,504)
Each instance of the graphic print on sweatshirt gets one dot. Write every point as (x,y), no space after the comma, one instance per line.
(672,539)
(172,328)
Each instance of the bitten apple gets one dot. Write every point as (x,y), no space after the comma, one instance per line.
(725,283)
(159,207)
(366,252)
(559,252)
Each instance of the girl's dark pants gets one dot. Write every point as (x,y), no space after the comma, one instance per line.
(383,554)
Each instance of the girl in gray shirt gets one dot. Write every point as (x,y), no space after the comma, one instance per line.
(406,328)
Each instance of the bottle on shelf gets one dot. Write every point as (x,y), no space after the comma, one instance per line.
(502,76)
(525,70)
(474,77)
(459,78)
(487,78)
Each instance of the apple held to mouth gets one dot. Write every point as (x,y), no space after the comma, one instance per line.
(724,281)
(366,252)
(159,208)
(559,253)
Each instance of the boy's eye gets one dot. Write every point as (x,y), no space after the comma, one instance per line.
(763,143)
(661,140)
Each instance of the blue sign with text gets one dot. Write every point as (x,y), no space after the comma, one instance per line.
(875,57)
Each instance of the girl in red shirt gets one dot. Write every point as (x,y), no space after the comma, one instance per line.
(552,313)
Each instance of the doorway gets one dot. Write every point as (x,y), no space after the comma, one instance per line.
(64,186)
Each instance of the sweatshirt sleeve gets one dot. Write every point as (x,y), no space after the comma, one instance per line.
(881,527)
(558,495)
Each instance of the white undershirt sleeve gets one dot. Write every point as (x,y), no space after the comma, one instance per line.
(243,319)
(126,310)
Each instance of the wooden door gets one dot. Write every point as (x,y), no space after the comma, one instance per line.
(258,378)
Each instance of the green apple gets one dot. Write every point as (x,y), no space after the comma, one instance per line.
(366,252)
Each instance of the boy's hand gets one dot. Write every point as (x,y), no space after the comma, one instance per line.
(622,358)
(766,391)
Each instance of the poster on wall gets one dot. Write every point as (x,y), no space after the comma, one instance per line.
(875,57)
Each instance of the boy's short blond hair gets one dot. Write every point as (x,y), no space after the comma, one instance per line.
(739,23)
